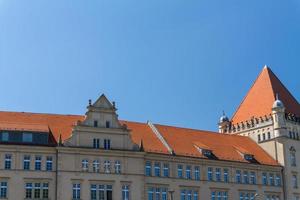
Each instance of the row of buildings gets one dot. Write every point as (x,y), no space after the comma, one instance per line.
(96,156)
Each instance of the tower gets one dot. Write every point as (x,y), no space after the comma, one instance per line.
(223,123)
(279,121)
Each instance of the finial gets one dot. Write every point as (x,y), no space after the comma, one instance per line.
(90,102)
(266,66)
(277,96)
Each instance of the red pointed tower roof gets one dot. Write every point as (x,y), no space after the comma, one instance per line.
(260,98)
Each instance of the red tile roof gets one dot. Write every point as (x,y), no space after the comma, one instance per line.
(260,98)
(183,141)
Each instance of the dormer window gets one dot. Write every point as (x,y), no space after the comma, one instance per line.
(207,153)
(249,157)
(27,137)
(107,124)
(95,123)
(4,137)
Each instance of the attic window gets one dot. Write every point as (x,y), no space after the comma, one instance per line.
(248,157)
(107,124)
(207,153)
(95,123)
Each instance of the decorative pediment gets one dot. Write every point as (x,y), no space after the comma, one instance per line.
(103,103)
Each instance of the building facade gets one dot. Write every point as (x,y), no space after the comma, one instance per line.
(96,156)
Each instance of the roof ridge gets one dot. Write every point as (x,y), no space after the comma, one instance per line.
(38,113)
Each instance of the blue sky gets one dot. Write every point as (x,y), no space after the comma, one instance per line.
(169,61)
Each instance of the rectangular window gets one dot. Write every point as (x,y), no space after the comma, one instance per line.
(85,165)
(238,176)
(4,137)
(7,164)
(264,179)
(96,143)
(38,162)
(26,162)
(150,194)
(189,195)
(107,124)
(213,195)
(226,179)
(218,174)
(93,192)
(95,123)
(49,163)
(3,189)
(210,174)
(252,178)
(96,166)
(188,172)
(107,166)
(166,170)
(196,195)
(45,190)
(106,144)
(225,195)
(157,193)
(37,190)
(182,195)
(295,181)
(125,192)
(164,194)
(118,167)
(246,178)
(278,180)
(148,168)
(76,191)
(179,171)
(157,169)
(271,179)
(27,137)
(197,173)
(28,191)
(258,138)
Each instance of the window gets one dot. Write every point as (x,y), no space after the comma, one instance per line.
(219,195)
(107,166)
(96,166)
(7,164)
(164,194)
(269,135)
(213,195)
(125,192)
(27,137)
(264,136)
(107,124)
(150,194)
(271,179)
(179,171)
(226,175)
(4,136)
(93,192)
(247,196)
(26,163)
(157,169)
(118,167)
(293,156)
(182,195)
(188,172)
(106,144)
(85,165)
(38,162)
(28,190)
(210,174)
(45,190)
(76,191)
(290,134)
(225,195)
(252,178)
(96,143)
(246,179)
(157,193)
(196,196)
(264,179)
(3,189)
(278,180)
(148,168)
(197,173)
(189,195)
(37,190)
(238,176)
(218,174)
(49,163)
(166,170)
(258,138)
(295,181)
(95,123)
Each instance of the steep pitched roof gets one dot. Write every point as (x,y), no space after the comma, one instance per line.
(182,141)
(260,98)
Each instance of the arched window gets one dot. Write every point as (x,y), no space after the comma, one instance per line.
(293,156)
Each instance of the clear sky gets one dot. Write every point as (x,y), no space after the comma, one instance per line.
(175,62)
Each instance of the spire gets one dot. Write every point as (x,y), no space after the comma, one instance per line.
(261,96)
